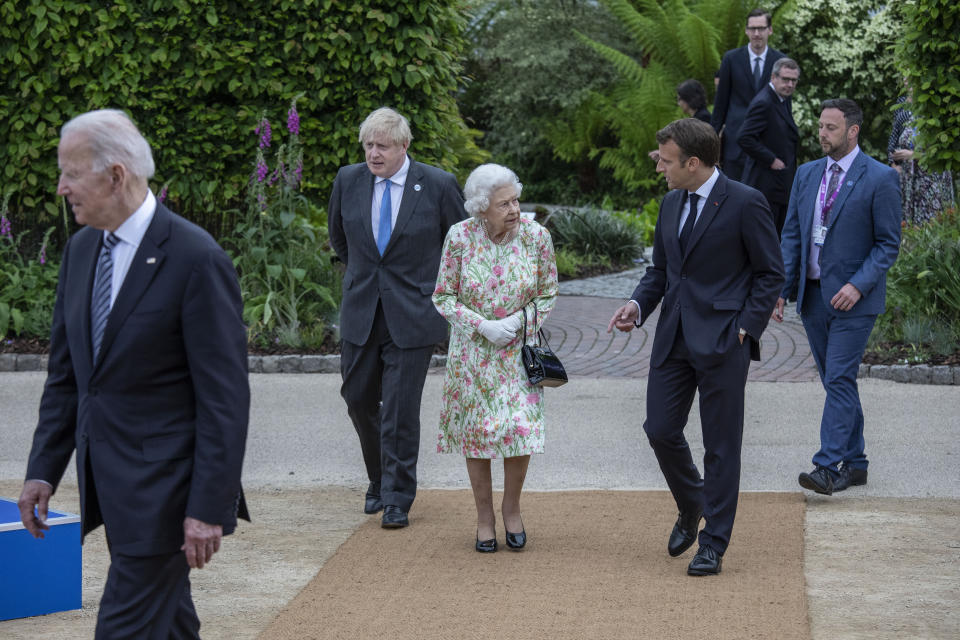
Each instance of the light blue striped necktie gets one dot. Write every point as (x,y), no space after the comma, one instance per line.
(102,288)
(386,218)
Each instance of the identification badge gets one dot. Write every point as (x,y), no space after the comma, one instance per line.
(819,234)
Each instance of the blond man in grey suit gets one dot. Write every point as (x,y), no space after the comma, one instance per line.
(388,217)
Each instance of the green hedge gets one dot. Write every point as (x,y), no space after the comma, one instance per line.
(197,75)
(929,57)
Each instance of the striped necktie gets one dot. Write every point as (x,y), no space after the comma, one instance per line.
(102,288)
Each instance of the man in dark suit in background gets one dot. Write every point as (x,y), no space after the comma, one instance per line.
(147,381)
(769,139)
(743,73)
(841,237)
(717,269)
(388,218)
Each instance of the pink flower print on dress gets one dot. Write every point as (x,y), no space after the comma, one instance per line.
(533,398)
(500,312)
(523,431)
(497,270)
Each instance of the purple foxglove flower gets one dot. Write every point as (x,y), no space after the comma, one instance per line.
(262,171)
(263,130)
(43,254)
(6,229)
(163,194)
(293,120)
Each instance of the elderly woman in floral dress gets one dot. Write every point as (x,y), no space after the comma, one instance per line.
(494,266)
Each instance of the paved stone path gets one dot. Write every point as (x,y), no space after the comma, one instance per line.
(577,332)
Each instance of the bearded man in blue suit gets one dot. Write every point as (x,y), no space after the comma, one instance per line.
(841,235)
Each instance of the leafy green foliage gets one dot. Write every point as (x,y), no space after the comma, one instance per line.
(288,285)
(678,40)
(196,75)
(525,73)
(593,232)
(928,55)
(27,285)
(642,221)
(923,286)
(845,50)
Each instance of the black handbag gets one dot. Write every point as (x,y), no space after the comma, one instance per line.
(542,365)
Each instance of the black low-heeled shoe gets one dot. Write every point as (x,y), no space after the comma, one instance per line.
(486,546)
(517,541)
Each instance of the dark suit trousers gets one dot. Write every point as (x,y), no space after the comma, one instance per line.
(383,385)
(733,164)
(670,391)
(779,210)
(147,598)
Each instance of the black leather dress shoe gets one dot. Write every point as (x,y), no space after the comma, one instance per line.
(372,502)
(516,541)
(706,563)
(819,480)
(850,477)
(684,532)
(486,546)
(393,517)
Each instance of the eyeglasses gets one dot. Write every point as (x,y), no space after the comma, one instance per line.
(757,29)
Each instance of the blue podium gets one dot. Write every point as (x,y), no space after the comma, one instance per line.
(39,576)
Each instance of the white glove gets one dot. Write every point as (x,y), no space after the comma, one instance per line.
(513,323)
(497,332)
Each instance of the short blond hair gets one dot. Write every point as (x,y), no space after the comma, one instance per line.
(385,121)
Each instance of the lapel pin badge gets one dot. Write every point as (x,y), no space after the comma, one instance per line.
(416,187)
(151,260)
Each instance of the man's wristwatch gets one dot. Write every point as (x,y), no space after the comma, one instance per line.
(743,332)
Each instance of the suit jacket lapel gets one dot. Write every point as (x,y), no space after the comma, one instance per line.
(710,208)
(412,189)
(85,253)
(671,221)
(145,265)
(849,182)
(363,192)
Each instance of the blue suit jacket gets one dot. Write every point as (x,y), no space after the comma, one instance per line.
(863,238)
(159,420)
(727,278)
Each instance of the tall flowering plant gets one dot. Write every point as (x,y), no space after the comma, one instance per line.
(28,282)
(281,256)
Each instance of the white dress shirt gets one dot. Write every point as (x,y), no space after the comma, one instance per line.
(813,259)
(397,181)
(130,233)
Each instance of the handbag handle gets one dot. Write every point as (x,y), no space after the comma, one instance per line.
(540,336)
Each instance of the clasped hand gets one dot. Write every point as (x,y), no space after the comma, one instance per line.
(501,332)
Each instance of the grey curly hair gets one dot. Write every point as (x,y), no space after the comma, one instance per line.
(482,182)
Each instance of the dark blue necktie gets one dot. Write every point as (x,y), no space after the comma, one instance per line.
(386,218)
(690,221)
(102,287)
(757,74)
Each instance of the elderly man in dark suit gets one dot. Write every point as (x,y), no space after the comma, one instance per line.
(743,73)
(841,237)
(717,269)
(147,382)
(769,139)
(388,218)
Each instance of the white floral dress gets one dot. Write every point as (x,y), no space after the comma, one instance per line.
(489,409)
